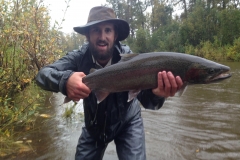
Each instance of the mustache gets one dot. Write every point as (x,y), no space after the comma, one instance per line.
(102,42)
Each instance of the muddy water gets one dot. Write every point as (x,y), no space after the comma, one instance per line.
(203,124)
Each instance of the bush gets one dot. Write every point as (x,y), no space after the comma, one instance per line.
(208,50)
(234,51)
(27,43)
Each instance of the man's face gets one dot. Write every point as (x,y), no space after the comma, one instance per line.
(101,39)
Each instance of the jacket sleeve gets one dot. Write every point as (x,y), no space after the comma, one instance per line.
(150,100)
(53,77)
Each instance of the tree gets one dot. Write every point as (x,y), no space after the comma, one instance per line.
(141,41)
(27,43)
(201,25)
(132,11)
(72,41)
(229,22)
(161,15)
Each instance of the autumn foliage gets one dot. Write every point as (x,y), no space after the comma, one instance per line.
(27,42)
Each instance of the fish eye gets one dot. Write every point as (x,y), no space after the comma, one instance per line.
(211,71)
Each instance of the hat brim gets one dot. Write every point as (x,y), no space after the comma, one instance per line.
(122,27)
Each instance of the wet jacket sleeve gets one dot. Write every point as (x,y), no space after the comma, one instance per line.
(150,100)
(53,77)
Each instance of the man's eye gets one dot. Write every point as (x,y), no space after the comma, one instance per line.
(95,30)
(108,30)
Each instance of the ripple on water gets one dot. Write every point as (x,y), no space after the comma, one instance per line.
(202,130)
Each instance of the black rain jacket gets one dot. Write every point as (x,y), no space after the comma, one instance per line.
(113,113)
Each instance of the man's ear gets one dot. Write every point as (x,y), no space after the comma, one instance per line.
(115,32)
(116,36)
(87,34)
(87,37)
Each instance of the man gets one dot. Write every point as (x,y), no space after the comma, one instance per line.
(114,118)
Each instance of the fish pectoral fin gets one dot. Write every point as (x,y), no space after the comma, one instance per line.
(132,94)
(182,89)
(101,95)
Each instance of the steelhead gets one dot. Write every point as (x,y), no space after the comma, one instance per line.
(136,72)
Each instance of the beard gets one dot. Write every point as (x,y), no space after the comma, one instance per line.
(101,56)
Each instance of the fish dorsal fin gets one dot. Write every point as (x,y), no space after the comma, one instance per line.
(126,57)
(92,70)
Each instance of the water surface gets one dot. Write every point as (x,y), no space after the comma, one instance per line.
(201,124)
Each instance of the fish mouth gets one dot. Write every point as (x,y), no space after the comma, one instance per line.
(220,77)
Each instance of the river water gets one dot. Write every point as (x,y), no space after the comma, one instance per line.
(203,124)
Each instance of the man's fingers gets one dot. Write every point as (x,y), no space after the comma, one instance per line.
(81,74)
(167,85)
(79,95)
(81,92)
(84,89)
(76,89)
(179,82)
(160,81)
(173,83)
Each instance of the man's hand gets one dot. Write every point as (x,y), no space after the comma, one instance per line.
(168,85)
(77,90)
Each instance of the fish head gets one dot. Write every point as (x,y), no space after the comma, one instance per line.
(207,71)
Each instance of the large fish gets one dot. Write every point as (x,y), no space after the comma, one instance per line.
(137,72)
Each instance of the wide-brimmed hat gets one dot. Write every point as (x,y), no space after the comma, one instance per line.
(102,14)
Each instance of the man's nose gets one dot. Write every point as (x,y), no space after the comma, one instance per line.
(102,35)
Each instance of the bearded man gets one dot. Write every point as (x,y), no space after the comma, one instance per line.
(114,118)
